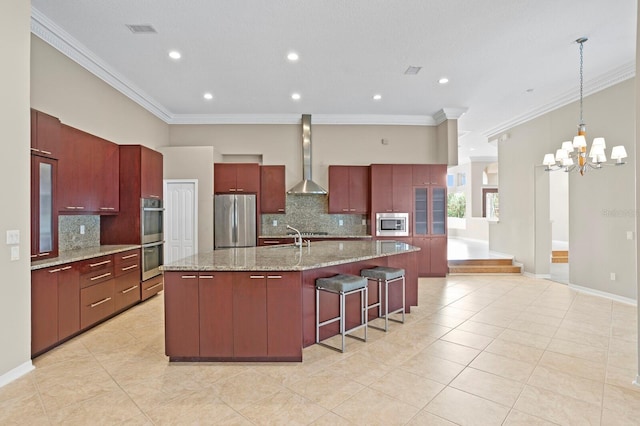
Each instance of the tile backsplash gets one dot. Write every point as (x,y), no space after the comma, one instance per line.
(69,235)
(308,213)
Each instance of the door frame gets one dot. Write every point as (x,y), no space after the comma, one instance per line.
(165,183)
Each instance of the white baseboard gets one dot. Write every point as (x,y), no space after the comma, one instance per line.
(17,372)
(604,294)
(538,276)
(636,382)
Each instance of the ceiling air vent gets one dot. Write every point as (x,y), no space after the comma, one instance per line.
(413,70)
(141,29)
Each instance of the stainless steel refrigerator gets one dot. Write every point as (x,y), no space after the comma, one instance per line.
(235,220)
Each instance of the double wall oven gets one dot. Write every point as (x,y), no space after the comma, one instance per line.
(152,238)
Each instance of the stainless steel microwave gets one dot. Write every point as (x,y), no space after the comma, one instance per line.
(392,224)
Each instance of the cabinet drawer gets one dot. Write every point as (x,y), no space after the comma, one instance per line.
(96,270)
(152,286)
(127,290)
(96,303)
(126,262)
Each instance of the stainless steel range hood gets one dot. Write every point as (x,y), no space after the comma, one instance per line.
(307,186)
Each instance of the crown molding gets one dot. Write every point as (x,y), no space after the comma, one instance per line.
(346,119)
(615,76)
(51,33)
(448,114)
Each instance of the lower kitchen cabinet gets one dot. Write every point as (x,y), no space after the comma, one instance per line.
(151,287)
(249,315)
(284,316)
(127,290)
(55,307)
(181,313)
(216,311)
(432,257)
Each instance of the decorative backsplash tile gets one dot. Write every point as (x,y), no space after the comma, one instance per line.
(308,213)
(69,235)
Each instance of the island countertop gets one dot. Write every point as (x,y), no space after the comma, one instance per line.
(289,258)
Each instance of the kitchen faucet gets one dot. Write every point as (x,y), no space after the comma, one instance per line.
(298,239)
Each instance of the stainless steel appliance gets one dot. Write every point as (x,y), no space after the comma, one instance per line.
(151,212)
(392,224)
(235,220)
(152,236)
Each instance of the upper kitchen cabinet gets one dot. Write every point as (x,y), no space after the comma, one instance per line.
(429,174)
(140,177)
(88,173)
(45,134)
(391,188)
(349,189)
(44,212)
(273,196)
(236,177)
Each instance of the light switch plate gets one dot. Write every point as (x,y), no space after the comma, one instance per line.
(13,237)
(15,253)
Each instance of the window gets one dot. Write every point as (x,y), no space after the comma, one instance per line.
(451,180)
(490,203)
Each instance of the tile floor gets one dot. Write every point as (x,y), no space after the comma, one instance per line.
(493,350)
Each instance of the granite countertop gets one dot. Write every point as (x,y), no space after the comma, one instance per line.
(289,258)
(314,236)
(81,254)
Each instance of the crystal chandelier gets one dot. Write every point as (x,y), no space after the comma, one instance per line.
(573,155)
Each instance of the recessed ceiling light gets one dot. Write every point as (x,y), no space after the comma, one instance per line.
(208,96)
(530,90)
(443,80)
(377,97)
(293,56)
(174,54)
(295,96)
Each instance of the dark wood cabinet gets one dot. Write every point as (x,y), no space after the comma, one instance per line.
(140,177)
(88,173)
(44,210)
(45,134)
(349,189)
(55,306)
(267,241)
(429,174)
(151,287)
(182,315)
(249,315)
(284,316)
(127,276)
(97,290)
(430,229)
(391,188)
(236,177)
(273,196)
(216,314)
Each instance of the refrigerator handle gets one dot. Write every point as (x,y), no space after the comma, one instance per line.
(234,236)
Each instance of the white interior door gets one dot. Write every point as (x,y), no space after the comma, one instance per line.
(181,218)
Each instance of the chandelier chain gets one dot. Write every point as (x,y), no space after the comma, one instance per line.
(581,81)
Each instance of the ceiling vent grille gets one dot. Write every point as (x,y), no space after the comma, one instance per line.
(413,70)
(141,29)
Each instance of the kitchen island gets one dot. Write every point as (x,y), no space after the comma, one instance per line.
(258,303)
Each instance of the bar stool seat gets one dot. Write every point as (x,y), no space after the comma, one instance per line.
(386,275)
(343,285)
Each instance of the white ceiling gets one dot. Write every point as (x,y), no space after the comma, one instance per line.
(506,60)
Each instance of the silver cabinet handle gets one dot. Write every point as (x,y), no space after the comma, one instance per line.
(129,289)
(44,254)
(154,286)
(130,267)
(188,276)
(256,277)
(35,149)
(208,277)
(66,268)
(270,242)
(107,208)
(45,152)
(93,265)
(274,277)
(239,189)
(53,271)
(280,210)
(106,299)
(130,256)
(100,276)
(153,196)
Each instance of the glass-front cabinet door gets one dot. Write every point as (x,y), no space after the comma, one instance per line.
(44,216)
(439,211)
(430,211)
(421,211)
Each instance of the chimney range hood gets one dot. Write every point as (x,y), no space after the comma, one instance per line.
(307,186)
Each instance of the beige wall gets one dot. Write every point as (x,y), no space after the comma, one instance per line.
(15,288)
(64,89)
(195,162)
(331,144)
(601,203)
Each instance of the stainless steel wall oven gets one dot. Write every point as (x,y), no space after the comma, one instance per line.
(152,236)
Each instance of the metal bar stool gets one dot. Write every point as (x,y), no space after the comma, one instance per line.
(343,285)
(386,275)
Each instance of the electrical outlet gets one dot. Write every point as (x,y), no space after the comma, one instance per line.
(82,229)
(15,253)
(340,222)
(364,221)
(275,223)
(613,276)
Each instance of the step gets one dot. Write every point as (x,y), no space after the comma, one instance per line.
(484,269)
(479,262)
(560,253)
(560,256)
